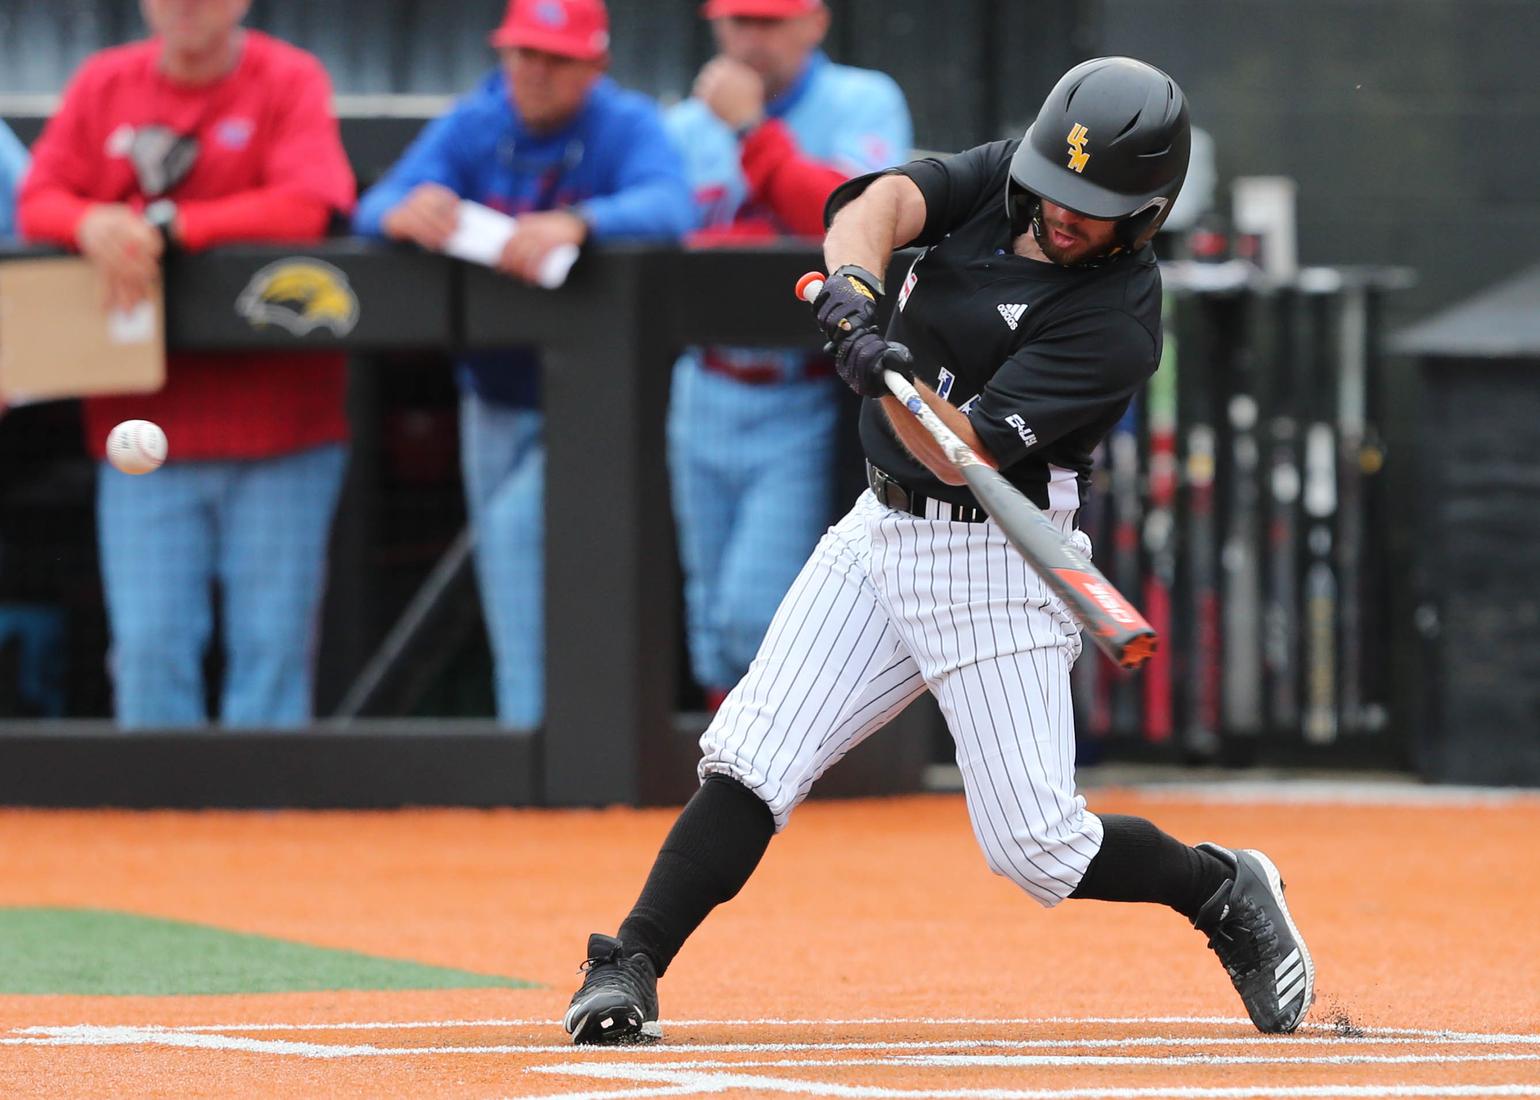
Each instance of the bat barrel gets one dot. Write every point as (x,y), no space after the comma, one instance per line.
(1137,648)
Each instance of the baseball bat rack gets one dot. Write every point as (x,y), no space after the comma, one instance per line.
(1244,497)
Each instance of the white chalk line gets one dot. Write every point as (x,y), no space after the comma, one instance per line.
(759,1021)
(696,1081)
(129,1036)
(1328,1030)
(651,1078)
(964,1061)
(151,1035)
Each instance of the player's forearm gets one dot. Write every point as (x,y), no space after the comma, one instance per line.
(922,445)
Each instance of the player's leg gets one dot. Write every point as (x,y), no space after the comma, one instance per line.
(830,672)
(784,508)
(705,498)
(275,518)
(1002,681)
(156,541)
(503,462)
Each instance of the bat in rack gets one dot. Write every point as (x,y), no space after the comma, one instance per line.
(1114,624)
(1241,706)
(1122,447)
(1160,530)
(1319,718)
(1352,396)
(1280,611)
(1091,677)
(1200,728)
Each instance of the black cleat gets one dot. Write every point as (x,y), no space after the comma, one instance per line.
(618,1001)
(1249,927)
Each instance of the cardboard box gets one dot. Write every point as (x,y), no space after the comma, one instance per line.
(57,340)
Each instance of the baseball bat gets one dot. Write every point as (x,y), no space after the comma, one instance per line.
(1352,386)
(1320,501)
(1160,534)
(1123,452)
(1113,623)
(1280,612)
(1240,554)
(1200,545)
(1091,678)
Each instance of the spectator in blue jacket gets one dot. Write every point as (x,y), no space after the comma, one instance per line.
(13,164)
(549,139)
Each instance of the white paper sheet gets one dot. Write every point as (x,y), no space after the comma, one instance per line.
(482,232)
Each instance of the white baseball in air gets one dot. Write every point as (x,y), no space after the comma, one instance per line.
(136,446)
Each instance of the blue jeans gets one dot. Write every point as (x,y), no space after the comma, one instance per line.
(752,477)
(502,456)
(258,527)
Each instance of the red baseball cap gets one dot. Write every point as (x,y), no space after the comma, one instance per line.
(569,28)
(761,9)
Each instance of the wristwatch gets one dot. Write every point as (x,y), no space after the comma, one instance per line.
(162,215)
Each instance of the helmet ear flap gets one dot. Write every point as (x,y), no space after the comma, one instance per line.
(1134,230)
(1021,208)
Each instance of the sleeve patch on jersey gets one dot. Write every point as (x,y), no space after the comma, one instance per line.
(1028,436)
(908,287)
(944,380)
(967,406)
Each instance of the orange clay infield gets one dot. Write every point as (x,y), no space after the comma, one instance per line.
(872,956)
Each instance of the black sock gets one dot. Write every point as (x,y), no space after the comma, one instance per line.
(708,855)
(1138,862)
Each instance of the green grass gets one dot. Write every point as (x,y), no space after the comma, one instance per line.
(97,952)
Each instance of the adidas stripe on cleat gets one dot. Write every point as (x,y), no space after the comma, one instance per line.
(1249,927)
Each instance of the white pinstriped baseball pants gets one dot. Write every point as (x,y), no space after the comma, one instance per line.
(889,605)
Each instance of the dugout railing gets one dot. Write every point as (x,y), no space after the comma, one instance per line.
(608,339)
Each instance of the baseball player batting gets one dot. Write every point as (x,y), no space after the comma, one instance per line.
(1034,317)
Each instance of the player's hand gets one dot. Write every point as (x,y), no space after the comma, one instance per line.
(427,216)
(732,91)
(534,240)
(847,303)
(125,248)
(861,360)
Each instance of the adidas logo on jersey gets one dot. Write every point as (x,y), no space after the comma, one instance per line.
(1012,315)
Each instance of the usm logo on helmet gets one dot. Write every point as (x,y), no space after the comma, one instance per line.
(1077,154)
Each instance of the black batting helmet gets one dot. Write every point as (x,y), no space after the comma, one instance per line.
(1111,141)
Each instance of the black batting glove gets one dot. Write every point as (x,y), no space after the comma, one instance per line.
(847,303)
(861,359)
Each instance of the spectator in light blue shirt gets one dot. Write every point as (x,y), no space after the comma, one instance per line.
(551,140)
(13,165)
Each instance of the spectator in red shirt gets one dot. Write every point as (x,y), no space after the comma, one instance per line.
(205,134)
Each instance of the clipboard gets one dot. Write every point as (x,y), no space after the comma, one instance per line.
(57,340)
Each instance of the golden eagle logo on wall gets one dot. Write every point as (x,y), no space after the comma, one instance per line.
(1077,154)
(300,296)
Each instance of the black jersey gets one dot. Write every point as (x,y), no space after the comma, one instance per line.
(1043,359)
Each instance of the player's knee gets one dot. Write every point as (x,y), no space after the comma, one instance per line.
(1037,885)
(775,796)
(1048,858)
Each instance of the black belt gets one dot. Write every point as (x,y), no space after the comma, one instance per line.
(900,499)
